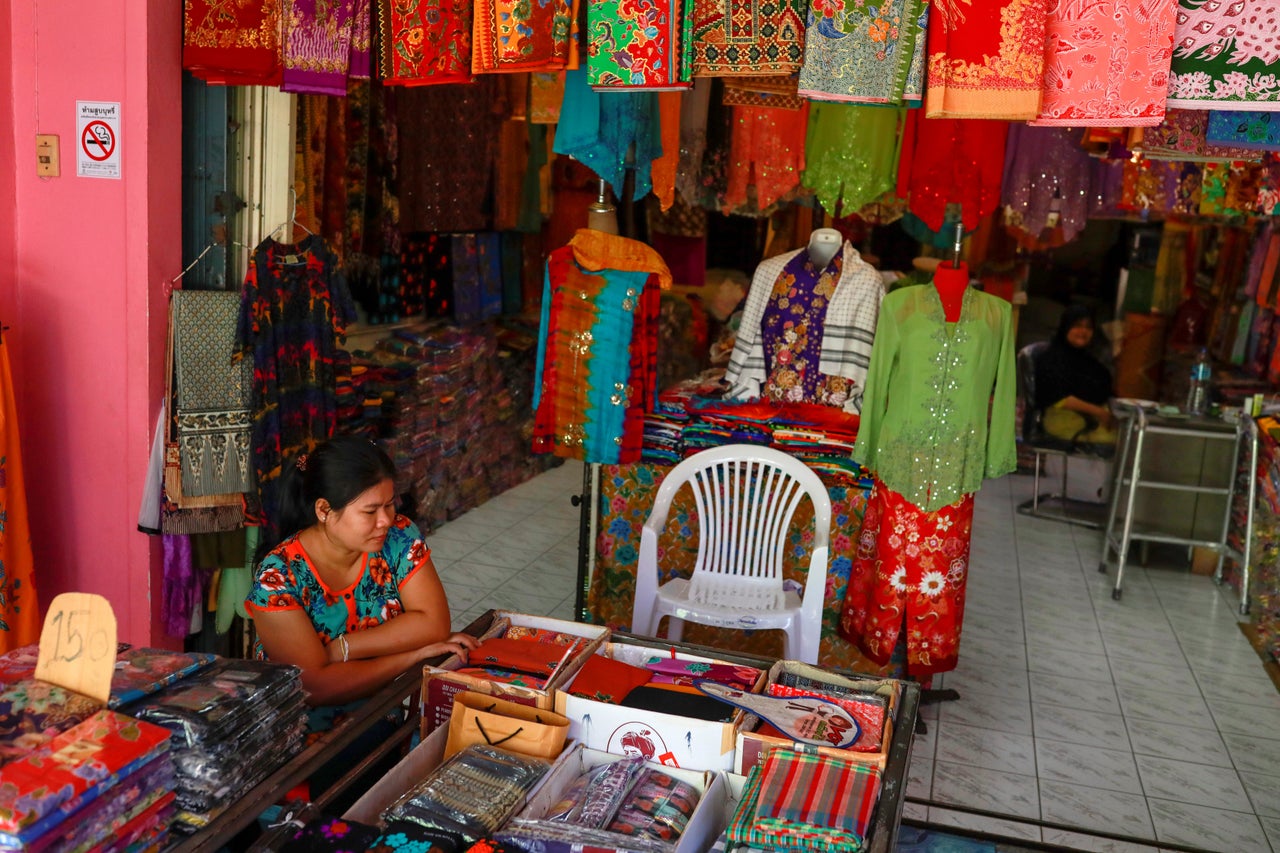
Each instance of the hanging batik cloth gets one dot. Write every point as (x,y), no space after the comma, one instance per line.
(767,154)
(1224,55)
(946,161)
(986,62)
(600,129)
(1243,129)
(860,53)
(597,355)
(851,154)
(745,37)
(232,43)
(212,395)
(1106,63)
(19,608)
(1046,183)
(317,46)
(779,93)
(518,35)
(1183,136)
(638,43)
(424,41)
(293,309)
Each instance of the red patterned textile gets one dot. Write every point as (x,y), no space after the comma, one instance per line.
(424,41)
(911,565)
(518,36)
(232,43)
(985,62)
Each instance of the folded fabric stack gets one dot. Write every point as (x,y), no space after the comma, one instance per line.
(471,795)
(524,657)
(104,784)
(622,806)
(232,725)
(662,684)
(803,801)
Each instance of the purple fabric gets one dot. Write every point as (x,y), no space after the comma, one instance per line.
(181,587)
(1105,181)
(1038,161)
(790,307)
(317,51)
(361,29)
(686,257)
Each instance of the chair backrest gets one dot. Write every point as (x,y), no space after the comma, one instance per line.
(746,497)
(1027,357)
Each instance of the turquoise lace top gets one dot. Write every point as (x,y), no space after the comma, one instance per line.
(925,430)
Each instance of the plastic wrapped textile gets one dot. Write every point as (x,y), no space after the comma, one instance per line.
(401,835)
(550,837)
(597,795)
(147,831)
(659,807)
(332,834)
(126,800)
(472,793)
(33,712)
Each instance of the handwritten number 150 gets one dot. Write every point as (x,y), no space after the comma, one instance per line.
(69,640)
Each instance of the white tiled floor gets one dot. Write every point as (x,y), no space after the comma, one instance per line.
(1150,716)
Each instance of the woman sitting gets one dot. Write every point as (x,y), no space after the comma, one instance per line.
(350,596)
(1072,386)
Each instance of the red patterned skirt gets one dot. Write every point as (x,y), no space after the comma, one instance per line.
(911,565)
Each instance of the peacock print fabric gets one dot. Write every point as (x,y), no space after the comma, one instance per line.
(1225,54)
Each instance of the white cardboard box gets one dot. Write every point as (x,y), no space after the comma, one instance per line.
(704,825)
(665,738)
(440,684)
(411,769)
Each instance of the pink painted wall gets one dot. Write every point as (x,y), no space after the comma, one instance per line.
(84,292)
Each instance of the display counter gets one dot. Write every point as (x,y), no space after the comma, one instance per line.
(624,498)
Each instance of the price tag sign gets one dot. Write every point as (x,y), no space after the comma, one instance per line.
(78,645)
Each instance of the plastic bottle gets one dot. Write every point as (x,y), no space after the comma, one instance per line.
(1198,393)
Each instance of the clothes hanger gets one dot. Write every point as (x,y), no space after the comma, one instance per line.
(292,222)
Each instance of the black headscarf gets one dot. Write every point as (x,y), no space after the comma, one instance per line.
(1063,370)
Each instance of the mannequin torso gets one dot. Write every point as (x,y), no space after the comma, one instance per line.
(951,283)
(824,243)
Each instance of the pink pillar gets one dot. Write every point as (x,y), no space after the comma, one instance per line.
(82,286)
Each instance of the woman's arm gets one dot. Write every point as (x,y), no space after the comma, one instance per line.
(425,620)
(289,637)
(1102,414)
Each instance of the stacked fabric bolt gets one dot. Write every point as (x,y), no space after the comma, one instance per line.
(103,783)
(233,724)
(805,802)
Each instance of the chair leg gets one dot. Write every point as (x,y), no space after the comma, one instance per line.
(675,629)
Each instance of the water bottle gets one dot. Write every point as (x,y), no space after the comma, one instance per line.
(1198,393)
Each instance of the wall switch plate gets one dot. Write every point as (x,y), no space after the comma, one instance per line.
(47,159)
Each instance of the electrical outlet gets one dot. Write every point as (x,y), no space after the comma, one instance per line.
(47,160)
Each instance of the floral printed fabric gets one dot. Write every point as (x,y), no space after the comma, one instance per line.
(638,43)
(332,835)
(1243,129)
(986,62)
(520,35)
(911,566)
(626,497)
(1224,55)
(1183,135)
(138,673)
(860,52)
(1106,63)
(33,712)
(424,41)
(748,37)
(286,581)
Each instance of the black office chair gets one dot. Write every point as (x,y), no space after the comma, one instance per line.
(1042,445)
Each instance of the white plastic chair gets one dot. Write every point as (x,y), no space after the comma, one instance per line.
(746,496)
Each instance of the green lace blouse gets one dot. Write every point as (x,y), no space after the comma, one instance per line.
(925,430)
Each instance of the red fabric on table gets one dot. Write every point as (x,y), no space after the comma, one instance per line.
(606,680)
(518,656)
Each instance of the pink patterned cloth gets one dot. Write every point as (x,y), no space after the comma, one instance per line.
(1182,136)
(1106,64)
(317,46)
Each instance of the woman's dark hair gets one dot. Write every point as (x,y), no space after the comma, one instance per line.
(1071,315)
(339,470)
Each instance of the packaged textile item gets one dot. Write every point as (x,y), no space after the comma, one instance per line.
(33,712)
(806,801)
(659,807)
(403,835)
(472,793)
(867,709)
(149,830)
(478,718)
(596,796)
(139,672)
(542,836)
(72,770)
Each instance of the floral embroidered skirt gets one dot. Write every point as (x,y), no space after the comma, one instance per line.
(911,565)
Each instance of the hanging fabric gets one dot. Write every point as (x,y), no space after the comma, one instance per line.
(1046,177)
(639,45)
(423,42)
(232,44)
(317,46)
(1243,129)
(19,606)
(1183,135)
(1106,64)
(737,37)
(861,53)
(988,62)
(851,154)
(767,155)
(610,133)
(1224,56)
(948,161)
(519,36)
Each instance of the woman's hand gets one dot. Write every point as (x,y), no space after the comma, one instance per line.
(456,644)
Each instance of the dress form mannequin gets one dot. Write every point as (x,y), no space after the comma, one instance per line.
(951,280)
(823,245)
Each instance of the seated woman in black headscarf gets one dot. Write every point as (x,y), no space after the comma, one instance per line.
(1072,386)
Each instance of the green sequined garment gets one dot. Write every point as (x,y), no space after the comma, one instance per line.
(851,154)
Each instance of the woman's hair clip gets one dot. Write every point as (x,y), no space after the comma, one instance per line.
(301,463)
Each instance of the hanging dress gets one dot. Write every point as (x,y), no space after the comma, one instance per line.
(19,607)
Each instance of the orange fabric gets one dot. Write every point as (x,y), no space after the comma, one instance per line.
(767,152)
(596,250)
(19,607)
(663,170)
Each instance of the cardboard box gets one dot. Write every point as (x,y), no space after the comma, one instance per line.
(440,684)
(666,738)
(750,745)
(706,824)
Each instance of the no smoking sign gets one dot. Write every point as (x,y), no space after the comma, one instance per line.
(98,129)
